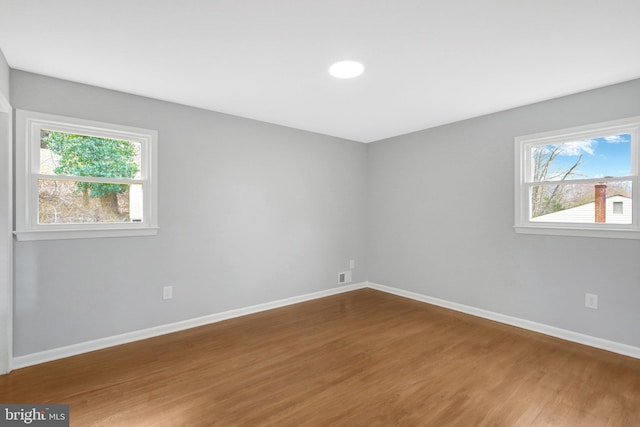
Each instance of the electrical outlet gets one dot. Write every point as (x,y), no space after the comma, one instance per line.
(167,292)
(591,301)
(352,264)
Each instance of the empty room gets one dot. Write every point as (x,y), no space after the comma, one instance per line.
(319,213)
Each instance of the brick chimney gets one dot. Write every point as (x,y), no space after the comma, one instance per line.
(601,202)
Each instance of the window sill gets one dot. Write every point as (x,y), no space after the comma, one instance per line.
(84,234)
(609,233)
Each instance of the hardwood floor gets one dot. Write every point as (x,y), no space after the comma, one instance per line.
(363,358)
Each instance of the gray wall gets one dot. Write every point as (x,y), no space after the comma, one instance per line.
(4,76)
(441,216)
(249,213)
(252,212)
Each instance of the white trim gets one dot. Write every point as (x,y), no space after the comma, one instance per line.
(615,347)
(85,347)
(89,179)
(595,130)
(546,229)
(83,234)
(577,181)
(28,127)
(6,240)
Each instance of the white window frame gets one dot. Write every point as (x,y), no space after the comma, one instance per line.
(28,125)
(524,182)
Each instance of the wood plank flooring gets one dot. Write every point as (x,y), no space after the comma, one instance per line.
(363,358)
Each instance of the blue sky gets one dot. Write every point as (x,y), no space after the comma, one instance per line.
(605,156)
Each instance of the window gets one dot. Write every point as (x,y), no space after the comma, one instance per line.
(77,178)
(580,181)
(618,208)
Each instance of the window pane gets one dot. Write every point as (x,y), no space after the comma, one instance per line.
(608,156)
(82,155)
(618,207)
(608,203)
(78,202)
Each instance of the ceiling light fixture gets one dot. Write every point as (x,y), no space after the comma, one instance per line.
(346,69)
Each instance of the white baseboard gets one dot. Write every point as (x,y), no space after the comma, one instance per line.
(615,347)
(85,347)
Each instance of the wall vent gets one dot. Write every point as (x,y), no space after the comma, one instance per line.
(344,277)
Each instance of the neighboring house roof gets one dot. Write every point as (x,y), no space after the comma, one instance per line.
(585,214)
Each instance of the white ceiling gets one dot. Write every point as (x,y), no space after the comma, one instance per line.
(427,62)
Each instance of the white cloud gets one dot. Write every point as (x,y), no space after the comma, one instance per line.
(575,148)
(614,139)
